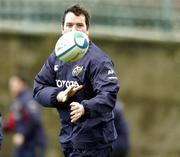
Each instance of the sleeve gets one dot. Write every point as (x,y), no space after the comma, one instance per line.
(9,122)
(27,130)
(45,90)
(105,86)
(30,115)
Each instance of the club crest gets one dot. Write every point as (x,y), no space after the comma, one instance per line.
(77,70)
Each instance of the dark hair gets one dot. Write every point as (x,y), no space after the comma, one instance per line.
(77,10)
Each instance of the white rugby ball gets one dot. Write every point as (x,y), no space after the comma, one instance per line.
(72,46)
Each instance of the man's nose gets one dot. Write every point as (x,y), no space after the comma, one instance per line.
(74,28)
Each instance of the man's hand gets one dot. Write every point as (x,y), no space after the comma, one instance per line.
(77,110)
(18,139)
(70,91)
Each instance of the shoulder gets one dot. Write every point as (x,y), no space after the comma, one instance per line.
(97,55)
(51,61)
(25,96)
(52,57)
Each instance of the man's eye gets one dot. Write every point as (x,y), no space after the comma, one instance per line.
(69,25)
(80,25)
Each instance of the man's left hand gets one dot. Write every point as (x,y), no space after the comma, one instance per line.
(77,110)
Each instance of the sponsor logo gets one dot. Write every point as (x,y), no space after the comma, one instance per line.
(77,70)
(56,67)
(110,72)
(66,83)
(112,78)
(111,75)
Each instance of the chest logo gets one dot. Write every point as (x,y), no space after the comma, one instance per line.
(77,70)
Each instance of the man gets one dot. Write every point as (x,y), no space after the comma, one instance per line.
(85,108)
(24,120)
(0,130)
(121,145)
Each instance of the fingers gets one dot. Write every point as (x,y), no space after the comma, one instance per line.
(70,91)
(75,117)
(74,89)
(61,97)
(64,95)
(74,108)
(78,88)
(77,110)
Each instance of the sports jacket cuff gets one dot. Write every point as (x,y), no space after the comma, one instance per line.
(54,100)
(89,113)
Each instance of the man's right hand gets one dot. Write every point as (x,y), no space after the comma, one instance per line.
(70,91)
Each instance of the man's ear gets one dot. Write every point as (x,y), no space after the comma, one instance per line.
(87,32)
(62,29)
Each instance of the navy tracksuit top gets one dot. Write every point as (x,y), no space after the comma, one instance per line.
(95,129)
(27,119)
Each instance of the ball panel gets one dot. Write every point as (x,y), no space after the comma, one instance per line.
(64,52)
(70,57)
(81,40)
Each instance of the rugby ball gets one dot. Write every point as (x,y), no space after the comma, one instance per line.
(72,46)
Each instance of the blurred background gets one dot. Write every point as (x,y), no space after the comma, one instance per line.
(143,39)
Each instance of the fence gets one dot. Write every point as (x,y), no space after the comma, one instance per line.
(124,17)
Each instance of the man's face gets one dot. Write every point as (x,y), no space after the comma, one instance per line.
(15,86)
(74,23)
